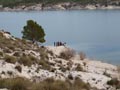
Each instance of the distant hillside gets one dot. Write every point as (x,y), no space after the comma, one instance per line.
(12,3)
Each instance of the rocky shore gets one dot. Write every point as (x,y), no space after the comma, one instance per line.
(60,6)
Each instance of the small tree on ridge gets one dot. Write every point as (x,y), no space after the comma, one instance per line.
(34,32)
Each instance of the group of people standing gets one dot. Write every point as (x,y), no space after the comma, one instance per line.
(59,43)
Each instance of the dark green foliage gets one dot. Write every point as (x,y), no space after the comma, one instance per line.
(34,32)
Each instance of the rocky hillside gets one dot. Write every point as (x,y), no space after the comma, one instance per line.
(23,59)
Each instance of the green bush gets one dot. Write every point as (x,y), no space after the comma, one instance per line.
(10,59)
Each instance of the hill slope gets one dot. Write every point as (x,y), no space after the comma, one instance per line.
(21,58)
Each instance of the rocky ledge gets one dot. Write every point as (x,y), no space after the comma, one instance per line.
(21,58)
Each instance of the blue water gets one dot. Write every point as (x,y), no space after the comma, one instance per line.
(95,32)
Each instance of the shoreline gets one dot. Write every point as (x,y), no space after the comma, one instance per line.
(59,7)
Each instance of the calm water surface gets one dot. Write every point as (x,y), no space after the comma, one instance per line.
(95,32)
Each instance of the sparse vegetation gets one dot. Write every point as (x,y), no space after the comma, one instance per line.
(1,54)
(79,68)
(10,73)
(14,83)
(106,74)
(27,60)
(17,54)
(114,82)
(48,84)
(79,84)
(118,69)
(82,55)
(67,54)
(44,64)
(10,59)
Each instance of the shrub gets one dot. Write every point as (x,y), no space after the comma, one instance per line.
(70,77)
(10,73)
(51,84)
(67,54)
(118,69)
(113,81)
(82,55)
(79,68)
(50,52)
(17,54)
(45,64)
(7,50)
(43,55)
(106,74)
(15,83)
(3,72)
(1,54)
(47,84)
(19,68)
(19,84)
(27,60)
(11,47)
(79,84)
(5,83)
(10,59)
(63,69)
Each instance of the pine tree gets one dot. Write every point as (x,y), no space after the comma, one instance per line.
(34,32)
